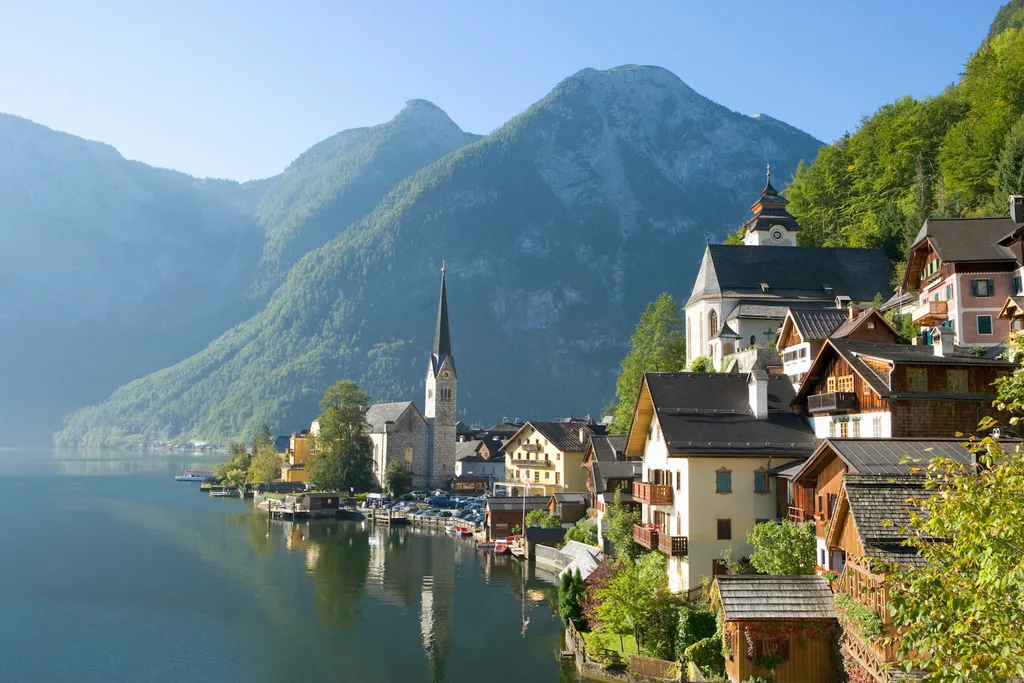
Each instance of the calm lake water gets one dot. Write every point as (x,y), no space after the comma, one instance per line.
(112,571)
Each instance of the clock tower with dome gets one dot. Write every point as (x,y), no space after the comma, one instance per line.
(439,406)
(772,225)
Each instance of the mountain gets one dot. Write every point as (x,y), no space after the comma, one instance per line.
(116,269)
(558,229)
(959,153)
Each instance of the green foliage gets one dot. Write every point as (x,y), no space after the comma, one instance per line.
(583,531)
(620,523)
(263,437)
(1010,170)
(658,344)
(570,589)
(903,323)
(265,466)
(735,237)
(637,601)
(694,625)
(542,518)
(706,654)
(918,158)
(960,612)
(343,457)
(858,617)
(234,470)
(1010,15)
(701,364)
(398,478)
(783,547)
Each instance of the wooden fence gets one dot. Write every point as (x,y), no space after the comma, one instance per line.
(655,668)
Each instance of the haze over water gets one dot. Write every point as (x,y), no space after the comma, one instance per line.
(112,571)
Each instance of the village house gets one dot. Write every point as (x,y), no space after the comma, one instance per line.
(295,457)
(503,515)
(788,620)
(962,276)
(479,464)
(742,292)
(547,457)
(609,469)
(805,330)
(708,443)
(568,507)
(868,389)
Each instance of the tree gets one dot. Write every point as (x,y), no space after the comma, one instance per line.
(658,344)
(234,470)
(570,588)
(263,437)
(542,518)
(702,364)
(620,523)
(637,601)
(583,531)
(343,457)
(398,478)
(783,547)
(1010,170)
(265,466)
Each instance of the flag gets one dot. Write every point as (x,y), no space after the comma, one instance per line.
(524,476)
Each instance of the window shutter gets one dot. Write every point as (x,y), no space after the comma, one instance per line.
(974,288)
(991,287)
(758,649)
(784,649)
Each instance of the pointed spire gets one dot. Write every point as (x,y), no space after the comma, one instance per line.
(768,190)
(442,338)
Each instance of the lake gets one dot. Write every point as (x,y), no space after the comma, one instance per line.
(113,571)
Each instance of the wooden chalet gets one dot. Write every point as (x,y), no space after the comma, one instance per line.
(502,515)
(869,389)
(608,467)
(785,621)
(568,507)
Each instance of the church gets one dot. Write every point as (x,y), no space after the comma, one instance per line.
(742,292)
(425,441)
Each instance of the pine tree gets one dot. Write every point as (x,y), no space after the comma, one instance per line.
(1010,171)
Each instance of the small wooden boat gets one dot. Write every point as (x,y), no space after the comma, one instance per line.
(501,548)
(485,545)
(463,531)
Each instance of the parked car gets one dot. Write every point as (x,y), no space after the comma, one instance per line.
(444,513)
(418,495)
(439,501)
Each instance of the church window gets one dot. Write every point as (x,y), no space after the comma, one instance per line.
(753,340)
(430,393)
(712,324)
(408,455)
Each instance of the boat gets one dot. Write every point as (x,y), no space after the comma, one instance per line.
(463,531)
(485,545)
(225,493)
(194,475)
(501,548)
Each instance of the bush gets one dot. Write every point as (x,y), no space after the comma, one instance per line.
(360,498)
(702,364)
(694,625)
(706,654)
(584,531)
(542,518)
(570,589)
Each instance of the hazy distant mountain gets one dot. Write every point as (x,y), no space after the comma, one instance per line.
(558,229)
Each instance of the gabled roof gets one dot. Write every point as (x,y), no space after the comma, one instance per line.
(571,498)
(757,597)
(967,239)
(709,413)
(504,428)
(880,507)
(607,471)
(466,450)
(517,502)
(381,413)
(1012,308)
(793,273)
(814,324)
(850,326)
(882,456)
(727,332)
(608,448)
(565,436)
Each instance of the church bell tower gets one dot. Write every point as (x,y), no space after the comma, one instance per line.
(439,404)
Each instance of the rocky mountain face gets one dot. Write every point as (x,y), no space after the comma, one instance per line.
(557,229)
(115,269)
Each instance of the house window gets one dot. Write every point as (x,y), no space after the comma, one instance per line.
(430,393)
(855,428)
(725,530)
(876,427)
(1018,286)
(984,324)
(547,476)
(831,428)
(761,481)
(844,383)
(917,379)
(871,324)
(678,479)
(723,481)
(536,476)
(949,292)
(668,479)
(830,385)
(982,288)
(956,381)
(789,492)
(558,476)
(844,429)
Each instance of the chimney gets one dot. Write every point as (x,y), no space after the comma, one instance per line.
(583,434)
(505,420)
(757,392)
(1017,208)
(851,313)
(942,342)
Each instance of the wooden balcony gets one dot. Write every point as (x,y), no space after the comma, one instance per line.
(532,447)
(799,515)
(930,313)
(652,494)
(525,462)
(833,402)
(645,536)
(673,546)
(872,590)
(866,656)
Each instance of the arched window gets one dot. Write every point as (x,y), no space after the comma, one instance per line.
(712,324)
(753,340)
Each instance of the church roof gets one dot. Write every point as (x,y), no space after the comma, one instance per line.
(804,274)
(442,335)
(770,210)
(727,332)
(381,413)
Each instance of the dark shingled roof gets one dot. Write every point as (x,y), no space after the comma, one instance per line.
(765,311)
(710,413)
(608,448)
(577,498)
(466,450)
(504,428)
(537,534)
(798,273)
(516,503)
(380,413)
(818,324)
(878,504)
(968,239)
(757,597)
(282,443)
(616,469)
(727,332)
(565,436)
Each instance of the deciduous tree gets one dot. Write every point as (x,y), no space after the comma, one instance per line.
(344,452)
(398,478)
(620,523)
(265,466)
(783,547)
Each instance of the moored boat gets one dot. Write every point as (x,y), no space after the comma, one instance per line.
(501,548)
(194,475)
(225,493)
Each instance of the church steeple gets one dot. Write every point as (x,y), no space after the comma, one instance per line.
(771,224)
(442,337)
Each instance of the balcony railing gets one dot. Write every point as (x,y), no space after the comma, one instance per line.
(645,536)
(833,402)
(675,546)
(799,515)
(652,494)
(524,462)
(930,313)
(531,447)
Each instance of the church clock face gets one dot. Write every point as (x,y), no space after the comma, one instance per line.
(777,234)
(445,375)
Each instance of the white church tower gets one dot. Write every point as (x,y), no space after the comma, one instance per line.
(439,406)
(772,225)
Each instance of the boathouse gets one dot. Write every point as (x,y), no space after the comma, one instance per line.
(321,503)
(502,515)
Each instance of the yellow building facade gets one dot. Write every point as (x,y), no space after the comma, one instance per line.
(294,469)
(549,455)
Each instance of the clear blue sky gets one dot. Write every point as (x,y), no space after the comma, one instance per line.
(237,89)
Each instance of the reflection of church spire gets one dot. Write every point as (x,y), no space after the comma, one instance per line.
(437,608)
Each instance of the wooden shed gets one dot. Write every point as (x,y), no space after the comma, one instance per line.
(503,514)
(781,622)
(569,507)
(321,503)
